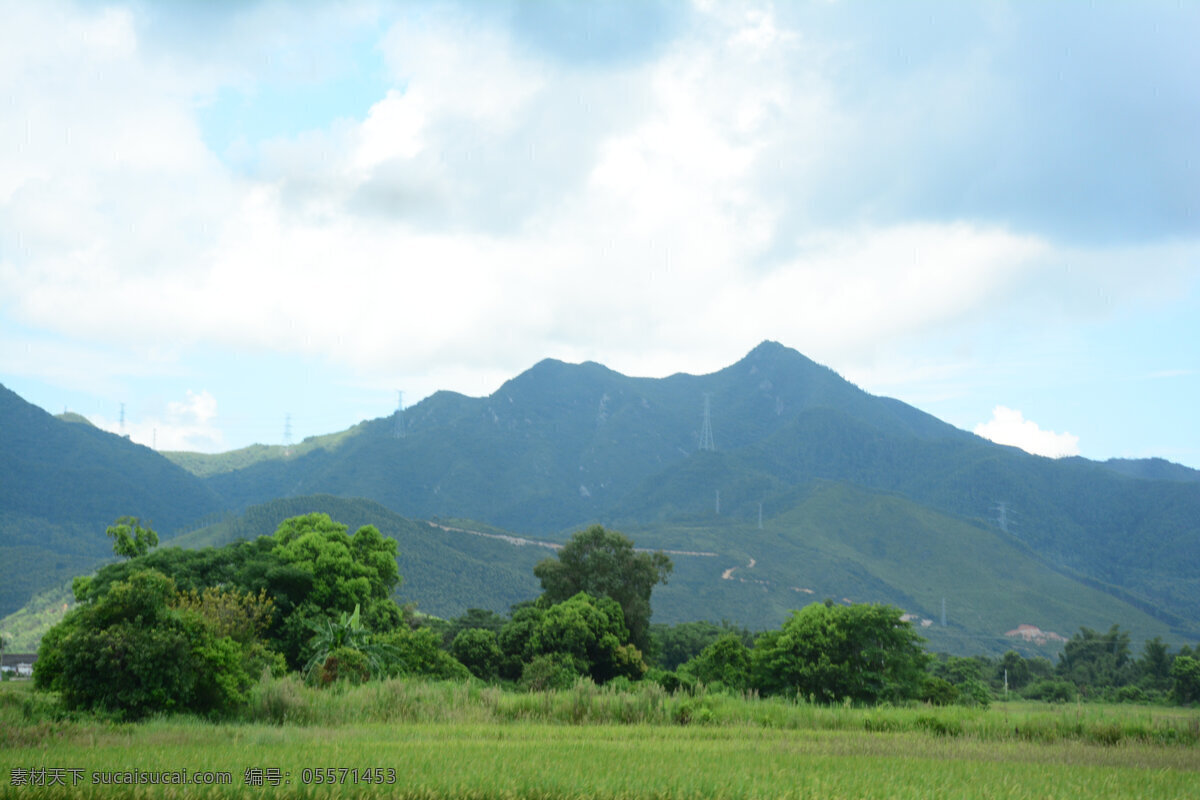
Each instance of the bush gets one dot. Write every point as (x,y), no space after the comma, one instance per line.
(938,691)
(974,693)
(344,664)
(549,671)
(478,650)
(132,653)
(1051,691)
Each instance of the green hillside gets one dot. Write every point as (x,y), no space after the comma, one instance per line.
(62,482)
(1068,542)
(844,543)
(206,464)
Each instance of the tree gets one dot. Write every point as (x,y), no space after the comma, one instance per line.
(477,650)
(865,653)
(726,661)
(343,648)
(1155,665)
(603,563)
(134,652)
(340,573)
(1095,661)
(591,631)
(1185,674)
(679,643)
(1015,669)
(130,539)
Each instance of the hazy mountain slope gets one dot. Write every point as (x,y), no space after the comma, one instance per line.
(62,483)
(845,543)
(1138,537)
(561,445)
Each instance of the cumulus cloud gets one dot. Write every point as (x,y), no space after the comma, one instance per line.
(1009,426)
(188,424)
(744,173)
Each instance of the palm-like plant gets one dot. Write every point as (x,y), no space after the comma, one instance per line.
(346,631)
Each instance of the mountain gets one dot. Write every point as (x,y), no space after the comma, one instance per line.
(63,482)
(562,445)
(812,484)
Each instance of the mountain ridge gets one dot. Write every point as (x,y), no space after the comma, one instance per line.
(562,445)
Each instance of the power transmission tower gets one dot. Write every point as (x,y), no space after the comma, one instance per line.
(287,431)
(1003,520)
(398,430)
(706,437)
(122,428)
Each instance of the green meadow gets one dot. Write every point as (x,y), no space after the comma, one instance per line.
(448,740)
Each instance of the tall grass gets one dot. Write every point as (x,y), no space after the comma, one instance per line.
(288,701)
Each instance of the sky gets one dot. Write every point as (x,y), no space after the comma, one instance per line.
(225,223)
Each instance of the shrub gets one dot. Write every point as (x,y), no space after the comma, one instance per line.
(1051,691)
(132,653)
(938,691)
(549,671)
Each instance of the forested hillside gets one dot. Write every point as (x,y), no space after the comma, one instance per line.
(822,486)
(562,445)
(62,482)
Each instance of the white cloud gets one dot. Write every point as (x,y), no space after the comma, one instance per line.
(1009,426)
(188,424)
(492,209)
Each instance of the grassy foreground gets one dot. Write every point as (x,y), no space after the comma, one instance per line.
(442,741)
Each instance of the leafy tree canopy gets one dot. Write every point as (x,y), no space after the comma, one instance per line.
(130,539)
(862,652)
(603,563)
(138,651)
(726,661)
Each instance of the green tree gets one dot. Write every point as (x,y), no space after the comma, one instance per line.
(343,647)
(1185,677)
(418,652)
(1155,665)
(603,563)
(726,661)
(679,643)
(134,653)
(516,638)
(339,572)
(130,539)
(473,618)
(1096,661)
(1016,668)
(591,631)
(478,650)
(865,653)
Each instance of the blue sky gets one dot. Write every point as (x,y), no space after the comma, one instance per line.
(222,214)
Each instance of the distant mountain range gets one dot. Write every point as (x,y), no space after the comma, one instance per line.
(860,497)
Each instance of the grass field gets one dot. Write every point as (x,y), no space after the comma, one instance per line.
(444,740)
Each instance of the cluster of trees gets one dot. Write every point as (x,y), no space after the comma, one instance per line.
(194,630)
